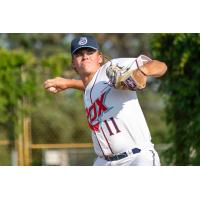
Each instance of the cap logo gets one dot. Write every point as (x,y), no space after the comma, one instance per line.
(82,41)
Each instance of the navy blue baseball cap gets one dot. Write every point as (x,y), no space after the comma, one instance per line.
(86,41)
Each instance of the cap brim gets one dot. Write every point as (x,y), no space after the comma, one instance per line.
(84,47)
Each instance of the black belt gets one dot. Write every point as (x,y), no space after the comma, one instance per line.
(121,155)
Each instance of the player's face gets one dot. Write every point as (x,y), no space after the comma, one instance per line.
(87,61)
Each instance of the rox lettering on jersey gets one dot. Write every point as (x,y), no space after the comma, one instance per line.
(96,111)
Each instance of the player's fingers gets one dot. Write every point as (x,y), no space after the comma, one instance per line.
(53,90)
(49,83)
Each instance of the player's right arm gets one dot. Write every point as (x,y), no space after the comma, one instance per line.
(59,84)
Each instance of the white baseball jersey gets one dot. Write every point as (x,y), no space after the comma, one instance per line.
(115,116)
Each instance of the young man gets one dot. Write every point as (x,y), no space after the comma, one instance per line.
(119,130)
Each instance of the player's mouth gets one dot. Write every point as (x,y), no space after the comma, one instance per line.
(85,63)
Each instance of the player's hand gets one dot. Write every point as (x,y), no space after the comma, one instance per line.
(57,84)
(139,78)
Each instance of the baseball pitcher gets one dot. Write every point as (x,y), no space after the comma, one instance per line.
(119,130)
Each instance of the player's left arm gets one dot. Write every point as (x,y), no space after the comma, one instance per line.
(135,76)
(154,68)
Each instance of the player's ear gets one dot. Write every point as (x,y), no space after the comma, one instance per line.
(100,58)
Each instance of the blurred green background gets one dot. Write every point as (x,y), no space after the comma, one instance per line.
(29,115)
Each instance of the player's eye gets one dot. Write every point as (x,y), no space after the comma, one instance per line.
(90,52)
(78,54)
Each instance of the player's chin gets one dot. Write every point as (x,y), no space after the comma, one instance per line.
(86,68)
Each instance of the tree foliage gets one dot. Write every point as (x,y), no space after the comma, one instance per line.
(18,80)
(181,85)
(22,93)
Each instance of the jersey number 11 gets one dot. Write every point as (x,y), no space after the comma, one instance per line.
(112,132)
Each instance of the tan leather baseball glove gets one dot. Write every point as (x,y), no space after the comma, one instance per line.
(126,78)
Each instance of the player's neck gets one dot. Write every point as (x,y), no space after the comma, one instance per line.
(87,79)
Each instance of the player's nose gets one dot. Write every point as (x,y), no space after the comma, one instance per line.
(85,55)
